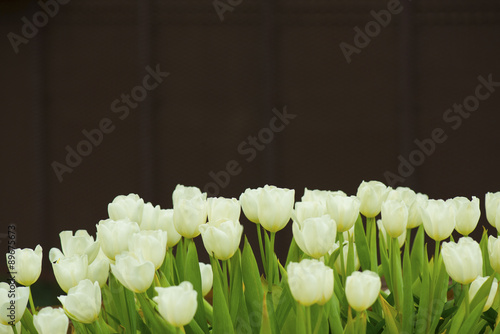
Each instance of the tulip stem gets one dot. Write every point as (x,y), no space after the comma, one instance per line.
(270,263)
(308,320)
(261,247)
(371,227)
(436,252)
(224,279)
(14,329)
(341,255)
(408,238)
(465,291)
(32,304)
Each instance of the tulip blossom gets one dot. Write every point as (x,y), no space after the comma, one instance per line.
(383,232)
(177,304)
(438,218)
(70,270)
(151,244)
(320,196)
(13,301)
(315,236)
(492,205)
(126,207)
(305,210)
(275,207)
(7,329)
(98,271)
(133,272)
(463,260)
(189,214)
(221,239)
(394,217)
(468,213)
(114,236)
(310,282)
(494,253)
(83,302)
(51,321)
(25,264)
(183,192)
(371,195)
(79,244)
(344,210)
(414,215)
(407,195)
(156,218)
(250,204)
(362,289)
(207,278)
(476,285)
(221,208)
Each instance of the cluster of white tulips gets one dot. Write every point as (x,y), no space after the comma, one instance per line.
(141,274)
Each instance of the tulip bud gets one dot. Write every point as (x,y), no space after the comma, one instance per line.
(394,217)
(468,213)
(83,302)
(414,216)
(51,321)
(438,217)
(344,210)
(156,218)
(345,251)
(492,204)
(69,271)
(310,282)
(221,239)
(220,208)
(275,207)
(151,244)
(79,244)
(383,232)
(371,194)
(207,278)
(114,236)
(13,301)
(494,253)
(25,265)
(133,272)
(463,260)
(249,204)
(305,210)
(315,236)
(177,304)
(320,196)
(126,207)
(98,271)
(189,214)
(183,192)
(362,289)
(476,285)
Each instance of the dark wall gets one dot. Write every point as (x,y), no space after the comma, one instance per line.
(352,121)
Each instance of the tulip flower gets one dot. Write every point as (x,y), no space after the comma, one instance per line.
(463,260)
(414,215)
(183,192)
(126,207)
(345,251)
(25,265)
(133,272)
(383,232)
(310,282)
(305,210)
(362,289)
(51,321)
(151,244)
(83,302)
(7,329)
(407,195)
(189,214)
(177,304)
(494,253)
(114,236)
(250,204)
(438,218)
(394,217)
(492,204)
(98,271)
(468,213)
(13,301)
(79,244)
(476,285)
(275,207)
(315,236)
(344,210)
(70,270)
(156,218)
(220,208)
(320,196)
(371,194)
(207,278)
(221,239)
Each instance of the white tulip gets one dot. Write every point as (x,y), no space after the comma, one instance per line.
(183,192)
(207,278)
(315,236)
(133,272)
(494,253)
(156,218)
(344,210)
(189,214)
(79,244)
(362,289)
(7,329)
(220,208)
(476,285)
(275,207)
(345,251)
(177,304)
(51,321)
(25,265)
(83,302)
(13,301)
(310,282)
(249,201)
(371,195)
(70,270)
(401,238)
(151,244)
(320,196)
(438,218)
(221,239)
(98,271)
(492,205)
(468,213)
(414,215)
(114,236)
(305,210)
(394,217)
(463,260)
(126,207)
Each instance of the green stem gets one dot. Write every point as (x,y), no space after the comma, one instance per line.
(224,280)
(340,236)
(261,247)
(308,320)
(209,311)
(14,329)
(372,226)
(32,304)
(465,290)
(179,330)
(319,320)
(270,262)
(360,323)
(396,274)
(436,251)
(408,238)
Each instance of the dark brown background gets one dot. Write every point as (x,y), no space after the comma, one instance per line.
(353,120)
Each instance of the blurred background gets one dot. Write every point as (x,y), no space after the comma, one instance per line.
(102,98)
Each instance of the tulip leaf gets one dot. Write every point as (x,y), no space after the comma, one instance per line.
(361,244)
(222,318)
(423,306)
(390,315)
(286,301)
(236,287)
(193,275)
(153,319)
(27,321)
(180,260)
(440,290)
(110,310)
(397,275)
(408,304)
(487,269)
(332,309)
(457,319)
(386,264)
(293,253)
(254,294)
(125,304)
(417,253)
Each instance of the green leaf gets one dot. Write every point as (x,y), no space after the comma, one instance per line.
(180,259)
(487,269)
(27,321)
(236,287)
(333,312)
(384,259)
(390,314)
(362,244)
(440,290)
(286,301)
(153,319)
(254,295)
(293,253)
(417,253)
(300,323)
(124,301)
(423,315)
(193,275)
(222,318)
(408,305)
